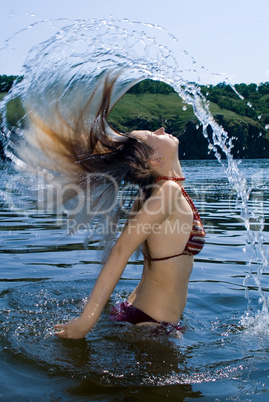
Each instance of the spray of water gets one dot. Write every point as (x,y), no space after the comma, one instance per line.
(66,74)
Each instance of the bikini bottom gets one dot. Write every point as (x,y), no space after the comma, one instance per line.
(126,312)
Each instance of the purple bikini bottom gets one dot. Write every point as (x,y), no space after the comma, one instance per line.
(128,313)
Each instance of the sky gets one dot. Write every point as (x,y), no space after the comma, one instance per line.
(228,37)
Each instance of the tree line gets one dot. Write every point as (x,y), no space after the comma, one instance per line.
(248,124)
(6,82)
(253,103)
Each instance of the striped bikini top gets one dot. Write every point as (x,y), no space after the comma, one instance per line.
(196,240)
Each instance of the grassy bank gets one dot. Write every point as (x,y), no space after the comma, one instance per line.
(150,111)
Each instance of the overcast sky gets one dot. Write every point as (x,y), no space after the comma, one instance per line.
(230,37)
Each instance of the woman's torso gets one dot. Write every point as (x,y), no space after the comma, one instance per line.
(162,291)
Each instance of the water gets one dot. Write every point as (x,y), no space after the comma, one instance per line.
(47,275)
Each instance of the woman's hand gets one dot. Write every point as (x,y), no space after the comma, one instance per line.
(75,329)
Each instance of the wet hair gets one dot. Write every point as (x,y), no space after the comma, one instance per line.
(71,140)
(126,161)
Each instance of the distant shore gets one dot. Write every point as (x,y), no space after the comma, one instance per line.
(150,104)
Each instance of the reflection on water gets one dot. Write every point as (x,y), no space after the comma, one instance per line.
(46,277)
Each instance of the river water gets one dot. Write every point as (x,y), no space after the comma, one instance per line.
(45,277)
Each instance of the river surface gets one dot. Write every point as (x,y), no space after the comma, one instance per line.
(45,277)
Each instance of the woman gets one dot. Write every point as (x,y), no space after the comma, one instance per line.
(166,222)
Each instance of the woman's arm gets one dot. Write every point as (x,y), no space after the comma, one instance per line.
(104,286)
(154,211)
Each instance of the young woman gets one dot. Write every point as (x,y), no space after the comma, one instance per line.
(68,140)
(168,225)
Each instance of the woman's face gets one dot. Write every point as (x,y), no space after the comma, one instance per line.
(162,143)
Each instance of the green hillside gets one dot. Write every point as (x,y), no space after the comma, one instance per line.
(151,111)
(150,105)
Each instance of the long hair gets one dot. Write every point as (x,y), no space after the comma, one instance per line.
(73,147)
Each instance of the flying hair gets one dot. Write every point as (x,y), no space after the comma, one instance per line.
(68,139)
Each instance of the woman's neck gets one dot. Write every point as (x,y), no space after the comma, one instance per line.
(171,169)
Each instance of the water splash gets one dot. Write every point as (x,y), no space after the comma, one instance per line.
(76,59)
(27,328)
(256,324)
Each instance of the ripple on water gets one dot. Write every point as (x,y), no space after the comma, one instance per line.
(211,348)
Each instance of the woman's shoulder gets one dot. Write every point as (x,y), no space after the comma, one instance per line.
(167,192)
(169,186)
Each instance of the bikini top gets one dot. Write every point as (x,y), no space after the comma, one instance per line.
(196,240)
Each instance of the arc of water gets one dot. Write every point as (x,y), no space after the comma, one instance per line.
(135,49)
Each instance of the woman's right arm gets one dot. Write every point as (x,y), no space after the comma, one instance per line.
(154,211)
(103,288)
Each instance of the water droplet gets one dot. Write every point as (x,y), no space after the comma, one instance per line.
(266,127)
(249,104)
(184,108)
